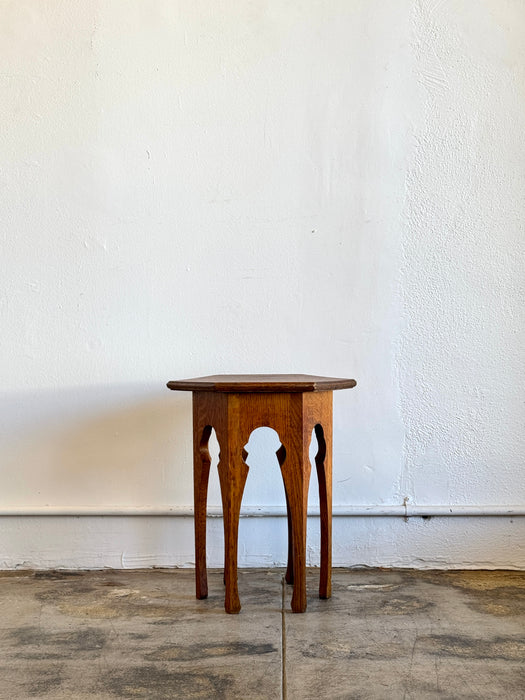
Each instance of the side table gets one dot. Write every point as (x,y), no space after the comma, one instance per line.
(234,405)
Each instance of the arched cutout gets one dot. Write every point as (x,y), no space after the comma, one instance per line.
(317,454)
(317,497)
(260,454)
(203,445)
(209,448)
(321,446)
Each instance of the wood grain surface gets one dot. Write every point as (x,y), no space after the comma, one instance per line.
(261,383)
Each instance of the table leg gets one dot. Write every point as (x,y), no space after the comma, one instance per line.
(296,475)
(281,456)
(201,472)
(233,471)
(323,463)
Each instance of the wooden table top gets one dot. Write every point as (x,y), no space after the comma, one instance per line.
(261,383)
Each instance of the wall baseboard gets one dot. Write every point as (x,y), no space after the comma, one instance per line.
(128,542)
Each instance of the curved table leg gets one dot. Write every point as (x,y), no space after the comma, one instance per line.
(281,456)
(233,471)
(296,475)
(201,472)
(323,465)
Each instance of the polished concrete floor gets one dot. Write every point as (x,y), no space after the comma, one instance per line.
(142,634)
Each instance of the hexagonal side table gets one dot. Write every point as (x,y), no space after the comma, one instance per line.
(235,405)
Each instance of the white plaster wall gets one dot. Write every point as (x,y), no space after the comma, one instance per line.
(194,188)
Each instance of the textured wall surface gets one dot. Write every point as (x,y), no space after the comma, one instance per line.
(187,189)
(462,276)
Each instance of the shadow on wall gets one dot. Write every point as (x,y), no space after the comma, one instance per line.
(104,445)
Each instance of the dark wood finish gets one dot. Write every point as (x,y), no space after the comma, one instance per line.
(294,414)
(267,383)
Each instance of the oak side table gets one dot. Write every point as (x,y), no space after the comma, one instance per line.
(234,405)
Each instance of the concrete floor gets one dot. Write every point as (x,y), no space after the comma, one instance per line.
(142,634)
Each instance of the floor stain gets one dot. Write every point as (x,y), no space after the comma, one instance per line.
(36,643)
(44,682)
(107,601)
(154,683)
(376,603)
(104,610)
(503,648)
(192,652)
(404,605)
(57,575)
(498,593)
(348,651)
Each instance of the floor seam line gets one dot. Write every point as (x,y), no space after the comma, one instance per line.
(283,641)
